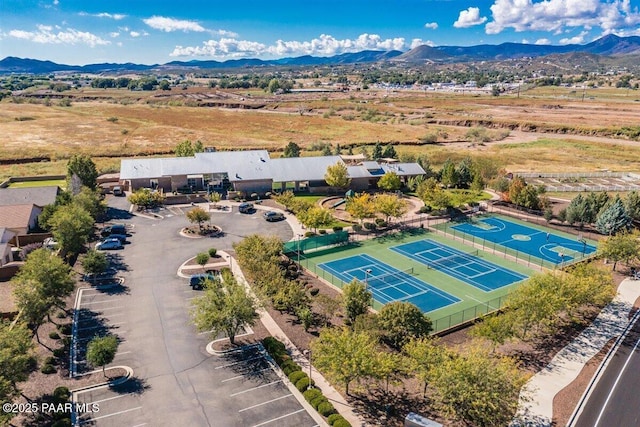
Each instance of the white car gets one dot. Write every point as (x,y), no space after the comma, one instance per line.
(109,243)
(50,243)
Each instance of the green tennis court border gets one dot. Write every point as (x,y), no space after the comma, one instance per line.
(473,301)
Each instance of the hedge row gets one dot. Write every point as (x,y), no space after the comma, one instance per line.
(302,382)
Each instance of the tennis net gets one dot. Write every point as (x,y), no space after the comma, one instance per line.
(389,278)
(452,260)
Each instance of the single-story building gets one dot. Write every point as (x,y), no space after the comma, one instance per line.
(39,196)
(251,171)
(19,219)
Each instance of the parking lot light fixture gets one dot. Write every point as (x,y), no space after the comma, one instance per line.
(299,238)
(367,272)
(308,353)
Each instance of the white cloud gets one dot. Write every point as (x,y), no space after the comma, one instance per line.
(543,41)
(114,34)
(431,25)
(324,45)
(169,24)
(135,34)
(56,2)
(224,33)
(469,18)
(419,42)
(46,35)
(116,16)
(579,39)
(558,15)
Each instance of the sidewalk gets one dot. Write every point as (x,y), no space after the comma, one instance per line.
(536,397)
(334,397)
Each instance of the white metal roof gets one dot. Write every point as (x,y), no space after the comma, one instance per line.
(302,168)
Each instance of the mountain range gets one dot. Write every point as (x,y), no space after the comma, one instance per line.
(610,45)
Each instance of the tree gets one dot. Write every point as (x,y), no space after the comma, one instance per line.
(91,201)
(327,307)
(291,150)
(356,299)
(632,205)
(145,198)
(198,147)
(423,355)
(101,351)
(215,198)
(389,152)
(202,259)
(360,206)
(448,174)
(377,151)
(198,215)
(387,367)
(71,226)
(184,149)
(337,176)
(390,181)
(326,150)
(62,199)
(274,85)
(478,388)
(225,307)
(613,218)
(16,362)
(623,246)
(390,205)
(464,172)
(83,167)
(338,150)
(344,355)
(315,217)
(95,262)
(516,186)
(401,321)
(290,297)
(31,304)
(164,85)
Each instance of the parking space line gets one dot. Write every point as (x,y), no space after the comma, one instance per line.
(279,418)
(264,403)
(241,361)
(110,398)
(109,415)
(100,326)
(255,388)
(122,352)
(98,302)
(144,424)
(244,376)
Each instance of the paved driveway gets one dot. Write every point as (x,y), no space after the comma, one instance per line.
(176,381)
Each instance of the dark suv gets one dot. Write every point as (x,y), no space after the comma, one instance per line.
(272,216)
(114,229)
(197,281)
(245,207)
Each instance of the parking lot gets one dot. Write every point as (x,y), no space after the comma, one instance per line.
(175,381)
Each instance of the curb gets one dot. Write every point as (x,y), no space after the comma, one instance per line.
(222,254)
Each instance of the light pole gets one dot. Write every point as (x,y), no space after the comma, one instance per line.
(299,237)
(367,272)
(307,353)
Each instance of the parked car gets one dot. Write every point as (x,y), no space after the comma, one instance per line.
(245,207)
(197,281)
(118,191)
(121,237)
(272,216)
(109,243)
(50,243)
(114,229)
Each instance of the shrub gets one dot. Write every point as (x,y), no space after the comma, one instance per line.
(424,209)
(315,402)
(59,352)
(61,393)
(314,292)
(341,423)
(61,314)
(337,228)
(325,409)
(369,226)
(65,328)
(54,335)
(311,394)
(65,422)
(357,228)
(202,258)
(309,234)
(48,369)
(381,222)
(212,252)
(295,376)
(322,231)
(66,341)
(290,366)
(50,360)
(333,418)
(304,383)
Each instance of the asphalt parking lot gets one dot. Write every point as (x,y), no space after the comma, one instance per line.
(175,381)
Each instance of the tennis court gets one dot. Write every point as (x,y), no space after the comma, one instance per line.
(388,284)
(467,267)
(539,243)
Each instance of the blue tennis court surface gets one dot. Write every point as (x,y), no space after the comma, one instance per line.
(388,284)
(457,264)
(548,246)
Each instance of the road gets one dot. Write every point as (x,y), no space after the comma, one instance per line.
(176,382)
(614,400)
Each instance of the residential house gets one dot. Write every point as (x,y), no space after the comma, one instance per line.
(6,236)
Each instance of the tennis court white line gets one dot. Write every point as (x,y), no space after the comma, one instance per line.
(482,302)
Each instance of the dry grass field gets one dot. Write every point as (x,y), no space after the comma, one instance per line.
(549,129)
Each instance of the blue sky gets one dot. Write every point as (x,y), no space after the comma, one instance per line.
(141,31)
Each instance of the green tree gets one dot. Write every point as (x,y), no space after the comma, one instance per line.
(356,300)
(290,297)
(619,247)
(390,181)
(71,226)
(327,307)
(145,198)
(62,199)
(478,388)
(31,304)
(464,172)
(377,151)
(184,149)
(613,218)
(198,215)
(225,307)
(291,150)
(477,184)
(390,205)
(632,205)
(326,150)
(91,201)
(423,354)
(101,351)
(389,152)
(360,206)
(202,259)
(274,85)
(83,167)
(338,150)
(95,262)
(16,362)
(337,176)
(215,198)
(198,147)
(344,355)
(449,174)
(316,217)
(164,85)
(401,321)
(388,367)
